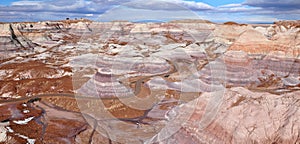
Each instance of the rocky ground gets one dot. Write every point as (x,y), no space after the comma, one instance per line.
(78,81)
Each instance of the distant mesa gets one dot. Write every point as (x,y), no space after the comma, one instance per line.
(190,21)
(121,21)
(149,21)
(233,23)
(75,20)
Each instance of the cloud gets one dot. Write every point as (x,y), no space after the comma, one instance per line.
(74,6)
(51,9)
(172,5)
(284,10)
(231,5)
(27,3)
(192,5)
(275,4)
(262,10)
(34,10)
(140,14)
(236,8)
(158,4)
(111,2)
(158,10)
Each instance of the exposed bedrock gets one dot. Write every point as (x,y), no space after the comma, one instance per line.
(78,81)
(244,117)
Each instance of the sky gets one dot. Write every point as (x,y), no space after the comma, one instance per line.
(242,11)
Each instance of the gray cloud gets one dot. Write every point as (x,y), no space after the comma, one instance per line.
(280,9)
(275,4)
(74,6)
(53,10)
(37,10)
(262,9)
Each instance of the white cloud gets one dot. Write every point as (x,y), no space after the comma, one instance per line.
(193,5)
(240,18)
(89,15)
(168,5)
(231,5)
(26,3)
(25,10)
(261,19)
(133,14)
(230,8)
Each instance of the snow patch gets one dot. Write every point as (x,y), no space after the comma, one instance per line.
(23,122)
(3,131)
(29,141)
